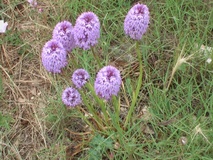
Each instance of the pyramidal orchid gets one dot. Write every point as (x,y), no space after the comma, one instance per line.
(71,97)
(54,56)
(63,32)
(136,21)
(135,25)
(87,30)
(108,82)
(80,77)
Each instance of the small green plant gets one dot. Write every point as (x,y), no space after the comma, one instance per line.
(5,121)
(99,146)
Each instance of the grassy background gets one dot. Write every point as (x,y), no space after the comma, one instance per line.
(34,124)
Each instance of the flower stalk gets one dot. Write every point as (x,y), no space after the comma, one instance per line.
(136,93)
(116,104)
(97,119)
(99,101)
(96,57)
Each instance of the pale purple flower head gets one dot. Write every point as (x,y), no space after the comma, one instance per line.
(108,82)
(63,32)
(136,21)
(71,97)
(3,26)
(54,56)
(33,3)
(80,77)
(87,30)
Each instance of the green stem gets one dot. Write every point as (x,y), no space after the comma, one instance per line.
(116,104)
(86,120)
(74,61)
(96,57)
(91,110)
(99,101)
(135,94)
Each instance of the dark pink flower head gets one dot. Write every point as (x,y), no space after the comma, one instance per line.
(87,30)
(108,82)
(80,77)
(54,56)
(136,21)
(63,32)
(71,97)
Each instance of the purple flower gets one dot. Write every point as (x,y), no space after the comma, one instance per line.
(136,21)
(54,56)
(33,3)
(63,32)
(87,30)
(108,82)
(80,77)
(71,97)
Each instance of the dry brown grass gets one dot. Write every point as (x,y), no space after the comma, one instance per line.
(24,83)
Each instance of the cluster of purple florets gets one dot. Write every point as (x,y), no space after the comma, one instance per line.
(63,33)
(136,21)
(85,34)
(54,56)
(108,82)
(80,77)
(87,30)
(70,96)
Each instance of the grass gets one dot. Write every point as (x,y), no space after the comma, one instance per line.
(166,124)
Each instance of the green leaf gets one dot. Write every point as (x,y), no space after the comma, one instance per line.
(5,121)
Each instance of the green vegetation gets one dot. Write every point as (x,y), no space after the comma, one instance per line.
(173,117)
